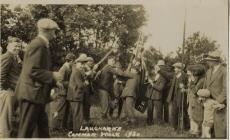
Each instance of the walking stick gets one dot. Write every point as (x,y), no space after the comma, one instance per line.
(182,113)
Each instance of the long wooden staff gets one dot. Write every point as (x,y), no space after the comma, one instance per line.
(108,53)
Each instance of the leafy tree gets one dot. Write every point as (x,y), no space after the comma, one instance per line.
(89,29)
(195,46)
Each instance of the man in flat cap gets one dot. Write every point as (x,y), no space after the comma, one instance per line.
(11,66)
(61,113)
(76,90)
(216,83)
(167,73)
(33,87)
(176,103)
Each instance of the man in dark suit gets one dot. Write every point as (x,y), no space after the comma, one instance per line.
(177,98)
(76,90)
(167,72)
(10,70)
(216,83)
(33,87)
(105,84)
(154,94)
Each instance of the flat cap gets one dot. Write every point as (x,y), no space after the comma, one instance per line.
(161,63)
(178,65)
(70,56)
(90,59)
(81,58)
(47,24)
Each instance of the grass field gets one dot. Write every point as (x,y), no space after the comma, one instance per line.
(140,129)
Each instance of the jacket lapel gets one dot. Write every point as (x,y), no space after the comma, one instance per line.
(214,75)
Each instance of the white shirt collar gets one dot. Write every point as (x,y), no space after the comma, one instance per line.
(178,75)
(157,77)
(45,39)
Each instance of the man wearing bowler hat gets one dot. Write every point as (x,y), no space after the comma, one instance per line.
(33,87)
(216,83)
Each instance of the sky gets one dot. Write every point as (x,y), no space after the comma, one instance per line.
(165,21)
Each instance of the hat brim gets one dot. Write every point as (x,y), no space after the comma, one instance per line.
(211,59)
(81,60)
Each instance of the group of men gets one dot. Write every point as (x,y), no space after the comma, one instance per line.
(26,89)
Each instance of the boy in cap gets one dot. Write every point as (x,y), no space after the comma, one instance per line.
(209,107)
(61,108)
(33,87)
(76,90)
(216,83)
(11,66)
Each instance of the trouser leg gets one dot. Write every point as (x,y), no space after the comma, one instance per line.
(220,127)
(123,110)
(157,111)
(33,121)
(77,108)
(104,101)
(68,119)
(7,115)
(165,111)
(173,115)
(59,108)
(207,132)
(86,106)
(130,108)
(150,112)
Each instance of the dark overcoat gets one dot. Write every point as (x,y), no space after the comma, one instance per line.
(155,91)
(36,78)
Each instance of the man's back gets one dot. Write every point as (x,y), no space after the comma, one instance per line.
(35,75)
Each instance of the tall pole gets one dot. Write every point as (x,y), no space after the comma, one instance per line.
(181,118)
(184,31)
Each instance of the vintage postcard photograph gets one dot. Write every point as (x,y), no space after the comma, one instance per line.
(114,69)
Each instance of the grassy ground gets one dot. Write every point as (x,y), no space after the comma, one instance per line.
(139,129)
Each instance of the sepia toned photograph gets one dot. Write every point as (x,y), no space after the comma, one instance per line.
(122,69)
